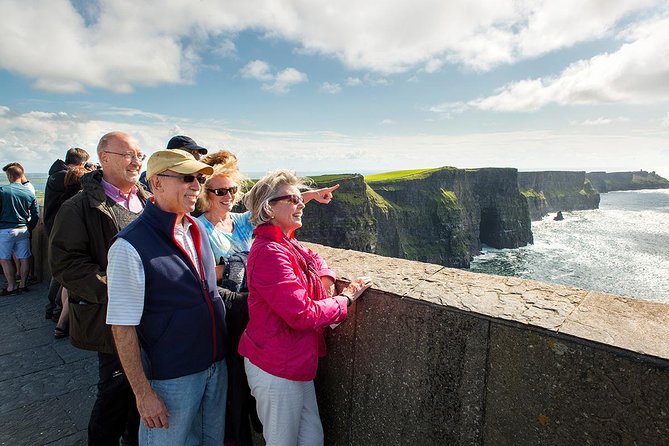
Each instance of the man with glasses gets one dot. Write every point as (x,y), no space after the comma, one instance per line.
(81,236)
(165,311)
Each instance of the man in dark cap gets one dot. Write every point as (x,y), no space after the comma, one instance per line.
(179,142)
(187,144)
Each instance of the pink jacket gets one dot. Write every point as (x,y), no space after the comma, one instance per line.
(284,336)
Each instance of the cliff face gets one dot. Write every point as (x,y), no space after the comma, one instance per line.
(554,191)
(606,182)
(439,216)
(504,211)
(348,221)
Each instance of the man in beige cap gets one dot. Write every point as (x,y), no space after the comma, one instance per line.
(165,311)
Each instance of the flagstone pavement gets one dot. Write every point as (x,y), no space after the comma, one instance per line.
(47,387)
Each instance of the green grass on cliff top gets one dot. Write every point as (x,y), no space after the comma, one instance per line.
(332,178)
(400,174)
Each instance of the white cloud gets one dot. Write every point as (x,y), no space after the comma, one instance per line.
(387,122)
(278,83)
(331,88)
(353,82)
(257,69)
(284,80)
(601,121)
(226,48)
(665,121)
(37,138)
(121,44)
(376,81)
(433,65)
(637,72)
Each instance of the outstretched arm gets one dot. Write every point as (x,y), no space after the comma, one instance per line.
(323,195)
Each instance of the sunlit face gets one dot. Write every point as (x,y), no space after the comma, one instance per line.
(222,202)
(120,160)
(174,195)
(287,215)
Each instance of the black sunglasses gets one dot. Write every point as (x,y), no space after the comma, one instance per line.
(223,191)
(292,198)
(186,178)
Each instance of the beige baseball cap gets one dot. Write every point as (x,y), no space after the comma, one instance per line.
(177,161)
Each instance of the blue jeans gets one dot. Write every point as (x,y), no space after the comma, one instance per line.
(196,407)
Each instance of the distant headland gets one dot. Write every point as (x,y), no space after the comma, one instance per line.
(444,215)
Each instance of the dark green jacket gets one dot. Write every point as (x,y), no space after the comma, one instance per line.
(80,238)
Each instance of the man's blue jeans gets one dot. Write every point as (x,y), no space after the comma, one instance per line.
(196,407)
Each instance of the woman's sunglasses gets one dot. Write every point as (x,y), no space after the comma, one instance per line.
(223,191)
(292,198)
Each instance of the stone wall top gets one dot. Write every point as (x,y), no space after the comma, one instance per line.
(632,324)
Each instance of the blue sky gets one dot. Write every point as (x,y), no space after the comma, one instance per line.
(321,86)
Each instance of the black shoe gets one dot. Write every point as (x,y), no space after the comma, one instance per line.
(14,292)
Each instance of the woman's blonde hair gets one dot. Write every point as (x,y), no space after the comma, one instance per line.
(223,158)
(257,199)
(203,201)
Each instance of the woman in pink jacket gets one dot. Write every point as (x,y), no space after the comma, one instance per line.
(291,300)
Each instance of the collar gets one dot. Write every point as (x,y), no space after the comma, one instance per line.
(165,221)
(115,192)
(272,232)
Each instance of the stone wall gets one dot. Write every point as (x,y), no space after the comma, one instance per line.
(434,355)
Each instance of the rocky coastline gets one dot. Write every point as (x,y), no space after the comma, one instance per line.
(444,215)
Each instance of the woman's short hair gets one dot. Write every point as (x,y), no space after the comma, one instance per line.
(257,199)
(203,201)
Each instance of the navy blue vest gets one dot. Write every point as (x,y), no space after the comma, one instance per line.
(182,330)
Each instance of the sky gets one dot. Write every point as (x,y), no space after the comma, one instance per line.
(343,87)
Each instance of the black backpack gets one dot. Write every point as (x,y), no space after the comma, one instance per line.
(234,273)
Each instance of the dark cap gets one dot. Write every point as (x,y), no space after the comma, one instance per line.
(184,142)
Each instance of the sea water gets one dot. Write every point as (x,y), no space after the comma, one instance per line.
(621,248)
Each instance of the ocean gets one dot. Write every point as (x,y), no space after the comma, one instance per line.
(621,248)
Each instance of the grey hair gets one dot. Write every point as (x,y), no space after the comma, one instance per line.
(257,199)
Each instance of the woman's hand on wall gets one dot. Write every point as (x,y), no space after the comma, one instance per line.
(358,286)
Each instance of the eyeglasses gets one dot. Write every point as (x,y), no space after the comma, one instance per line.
(129,155)
(186,178)
(295,199)
(223,191)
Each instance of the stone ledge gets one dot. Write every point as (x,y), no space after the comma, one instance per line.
(635,325)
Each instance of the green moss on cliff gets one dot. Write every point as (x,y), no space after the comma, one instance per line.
(588,189)
(449,199)
(378,200)
(531,193)
(349,198)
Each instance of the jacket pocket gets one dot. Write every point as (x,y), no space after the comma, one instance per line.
(88,325)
